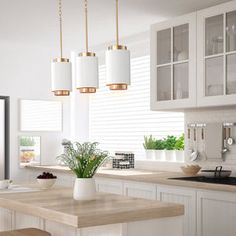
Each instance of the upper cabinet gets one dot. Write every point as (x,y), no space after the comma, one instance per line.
(216,61)
(193,60)
(173,60)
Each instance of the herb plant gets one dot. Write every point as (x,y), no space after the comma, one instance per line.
(170,142)
(83,158)
(149,143)
(179,145)
(27,141)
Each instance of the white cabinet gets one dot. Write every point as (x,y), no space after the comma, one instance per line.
(173,63)
(216,213)
(216,61)
(109,185)
(5,219)
(140,190)
(184,196)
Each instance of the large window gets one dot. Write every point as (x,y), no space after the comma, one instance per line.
(119,120)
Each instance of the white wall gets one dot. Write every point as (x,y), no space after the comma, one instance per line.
(25,74)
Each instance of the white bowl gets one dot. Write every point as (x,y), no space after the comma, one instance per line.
(4,184)
(46,183)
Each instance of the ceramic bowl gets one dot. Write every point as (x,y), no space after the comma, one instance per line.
(190,169)
(46,183)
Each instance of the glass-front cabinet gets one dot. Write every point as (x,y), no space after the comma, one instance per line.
(173,64)
(216,62)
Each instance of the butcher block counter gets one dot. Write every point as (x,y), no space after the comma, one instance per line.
(125,214)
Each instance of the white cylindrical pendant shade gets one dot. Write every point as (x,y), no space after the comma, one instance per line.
(61,73)
(87,74)
(118,68)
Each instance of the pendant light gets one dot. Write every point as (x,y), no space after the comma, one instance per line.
(87,64)
(118,63)
(61,69)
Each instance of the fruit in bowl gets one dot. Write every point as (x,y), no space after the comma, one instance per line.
(46,180)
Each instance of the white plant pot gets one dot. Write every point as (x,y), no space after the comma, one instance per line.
(170,155)
(179,155)
(150,154)
(84,189)
(160,155)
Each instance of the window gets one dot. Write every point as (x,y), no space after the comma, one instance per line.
(119,120)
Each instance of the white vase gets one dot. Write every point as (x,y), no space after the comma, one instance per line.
(160,155)
(84,189)
(170,155)
(150,154)
(179,154)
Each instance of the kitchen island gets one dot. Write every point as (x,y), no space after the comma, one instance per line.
(108,215)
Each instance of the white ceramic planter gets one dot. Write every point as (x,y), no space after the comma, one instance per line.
(160,155)
(170,155)
(150,154)
(179,155)
(84,189)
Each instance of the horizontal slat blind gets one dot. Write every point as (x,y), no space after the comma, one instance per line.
(119,120)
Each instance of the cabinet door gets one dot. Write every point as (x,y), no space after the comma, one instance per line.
(182,196)
(216,30)
(216,213)
(109,185)
(5,219)
(173,63)
(140,190)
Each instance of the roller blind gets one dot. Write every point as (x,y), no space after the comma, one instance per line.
(119,120)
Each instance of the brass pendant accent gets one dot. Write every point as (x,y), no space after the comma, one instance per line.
(87,54)
(87,90)
(62,93)
(117,47)
(118,86)
(59,59)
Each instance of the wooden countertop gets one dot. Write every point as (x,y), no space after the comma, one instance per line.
(57,204)
(161,177)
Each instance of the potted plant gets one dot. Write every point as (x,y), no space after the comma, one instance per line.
(160,149)
(179,149)
(27,152)
(150,147)
(83,159)
(170,142)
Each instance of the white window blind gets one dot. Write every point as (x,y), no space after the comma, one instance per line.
(119,120)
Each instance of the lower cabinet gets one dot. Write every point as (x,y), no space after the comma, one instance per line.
(184,196)
(109,185)
(5,219)
(140,190)
(216,213)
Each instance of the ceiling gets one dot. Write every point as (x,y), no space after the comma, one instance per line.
(36,21)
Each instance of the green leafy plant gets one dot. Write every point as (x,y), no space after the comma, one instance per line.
(83,158)
(149,143)
(179,145)
(170,142)
(27,141)
(160,144)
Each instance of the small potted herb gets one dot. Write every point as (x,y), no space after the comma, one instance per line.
(160,150)
(170,142)
(179,149)
(83,159)
(150,147)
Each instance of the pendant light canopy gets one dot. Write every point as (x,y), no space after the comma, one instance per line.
(61,69)
(118,62)
(87,65)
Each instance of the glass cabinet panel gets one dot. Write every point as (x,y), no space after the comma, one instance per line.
(214,74)
(181,83)
(231,31)
(180,50)
(231,74)
(214,35)
(164,83)
(164,46)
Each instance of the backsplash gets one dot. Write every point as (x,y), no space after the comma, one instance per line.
(214,116)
